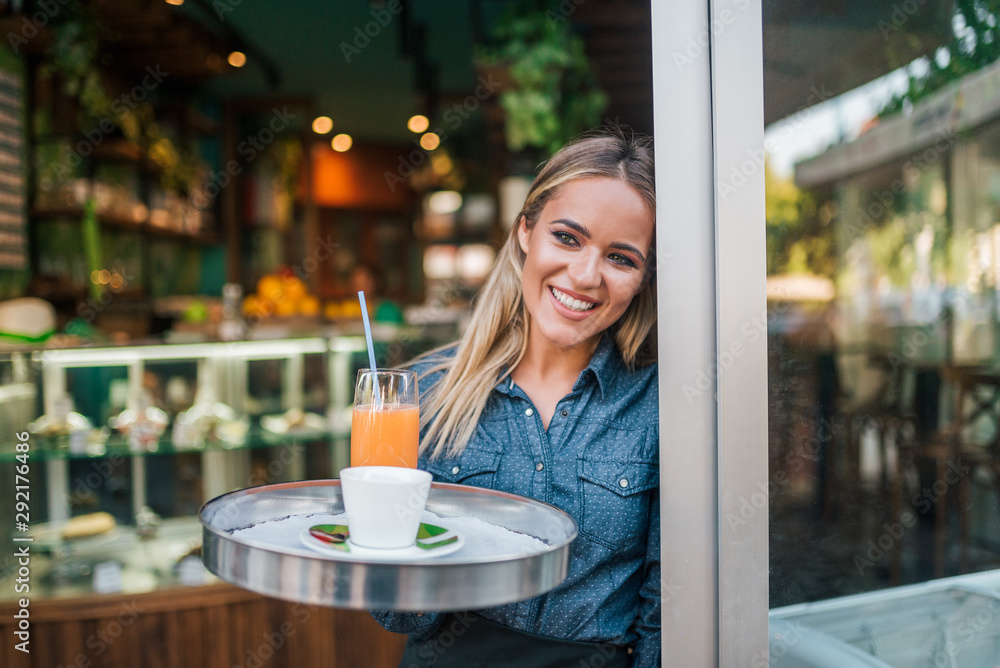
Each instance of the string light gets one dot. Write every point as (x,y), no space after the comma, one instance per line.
(342,143)
(430,141)
(418,124)
(322,125)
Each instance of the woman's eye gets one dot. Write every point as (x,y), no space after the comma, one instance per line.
(623,260)
(564,238)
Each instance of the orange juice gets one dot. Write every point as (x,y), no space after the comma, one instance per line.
(386,436)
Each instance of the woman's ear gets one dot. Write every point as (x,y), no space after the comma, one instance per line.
(523,233)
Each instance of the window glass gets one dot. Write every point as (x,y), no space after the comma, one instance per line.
(883,237)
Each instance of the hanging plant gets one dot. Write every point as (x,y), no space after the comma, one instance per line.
(554,94)
(74,56)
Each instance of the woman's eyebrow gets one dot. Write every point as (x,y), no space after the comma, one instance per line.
(573,225)
(630,248)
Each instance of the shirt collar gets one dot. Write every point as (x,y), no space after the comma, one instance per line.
(506,385)
(603,367)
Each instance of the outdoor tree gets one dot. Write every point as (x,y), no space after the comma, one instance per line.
(974,44)
(798,239)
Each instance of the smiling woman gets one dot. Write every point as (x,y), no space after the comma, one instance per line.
(552,394)
(583,266)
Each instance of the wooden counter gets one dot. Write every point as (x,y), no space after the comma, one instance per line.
(215,626)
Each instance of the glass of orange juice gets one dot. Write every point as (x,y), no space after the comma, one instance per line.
(385,424)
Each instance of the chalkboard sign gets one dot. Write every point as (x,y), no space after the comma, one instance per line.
(13,235)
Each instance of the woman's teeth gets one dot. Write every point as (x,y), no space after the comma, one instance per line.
(569,302)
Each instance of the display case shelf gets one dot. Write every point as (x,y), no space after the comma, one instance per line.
(47,449)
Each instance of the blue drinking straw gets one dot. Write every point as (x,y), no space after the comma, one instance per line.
(371,347)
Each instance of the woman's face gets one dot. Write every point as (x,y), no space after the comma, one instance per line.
(586,259)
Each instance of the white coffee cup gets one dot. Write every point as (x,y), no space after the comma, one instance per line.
(384,504)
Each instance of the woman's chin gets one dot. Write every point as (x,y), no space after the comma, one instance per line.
(568,338)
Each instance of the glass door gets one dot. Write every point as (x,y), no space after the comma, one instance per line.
(883,401)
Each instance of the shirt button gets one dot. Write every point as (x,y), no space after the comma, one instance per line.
(623,483)
(529,412)
(455,471)
(564,412)
(539,466)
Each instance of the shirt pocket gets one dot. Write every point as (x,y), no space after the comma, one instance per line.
(614,508)
(474,467)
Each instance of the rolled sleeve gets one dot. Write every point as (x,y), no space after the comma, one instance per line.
(647,624)
(419,626)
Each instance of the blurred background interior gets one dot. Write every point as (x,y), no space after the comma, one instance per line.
(192,192)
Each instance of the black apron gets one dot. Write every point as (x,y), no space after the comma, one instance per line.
(466,640)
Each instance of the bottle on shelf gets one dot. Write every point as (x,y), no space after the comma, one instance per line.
(232,327)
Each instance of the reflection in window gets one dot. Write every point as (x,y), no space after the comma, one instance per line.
(883,222)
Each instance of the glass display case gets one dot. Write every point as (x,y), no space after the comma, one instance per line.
(126,443)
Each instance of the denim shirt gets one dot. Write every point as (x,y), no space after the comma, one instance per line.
(598,461)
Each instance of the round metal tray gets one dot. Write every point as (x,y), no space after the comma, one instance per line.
(446,583)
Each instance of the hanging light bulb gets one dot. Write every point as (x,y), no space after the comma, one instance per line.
(418,123)
(342,143)
(322,124)
(430,141)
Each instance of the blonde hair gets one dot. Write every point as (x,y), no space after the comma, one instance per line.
(496,338)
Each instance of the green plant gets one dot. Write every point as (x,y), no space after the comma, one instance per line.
(74,55)
(975,43)
(555,95)
(799,236)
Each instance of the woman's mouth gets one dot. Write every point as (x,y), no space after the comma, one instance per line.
(571,303)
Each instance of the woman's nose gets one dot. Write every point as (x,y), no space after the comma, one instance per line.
(585,271)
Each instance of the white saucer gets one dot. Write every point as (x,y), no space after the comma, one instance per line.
(403,555)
